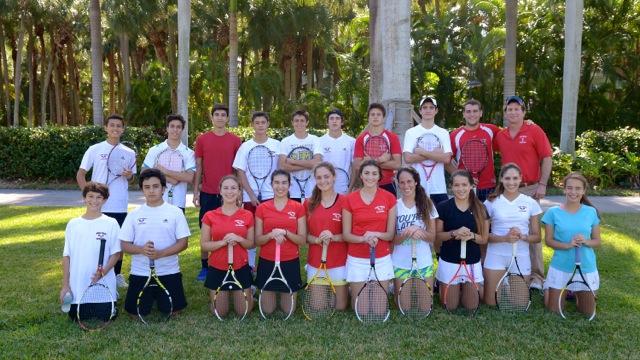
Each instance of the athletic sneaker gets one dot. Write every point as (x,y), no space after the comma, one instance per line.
(535,284)
(202,275)
(121,282)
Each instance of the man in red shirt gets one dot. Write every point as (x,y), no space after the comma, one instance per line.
(528,146)
(471,130)
(389,162)
(215,151)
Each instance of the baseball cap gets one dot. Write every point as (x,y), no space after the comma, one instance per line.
(514,98)
(430,99)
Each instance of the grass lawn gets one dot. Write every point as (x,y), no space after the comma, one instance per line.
(32,326)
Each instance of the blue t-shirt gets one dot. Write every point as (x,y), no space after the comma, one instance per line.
(565,226)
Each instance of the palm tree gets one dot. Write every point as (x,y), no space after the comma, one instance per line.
(233,63)
(17,70)
(96,60)
(571,74)
(184,30)
(511,20)
(375,53)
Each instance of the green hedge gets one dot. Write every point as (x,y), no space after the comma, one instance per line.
(54,153)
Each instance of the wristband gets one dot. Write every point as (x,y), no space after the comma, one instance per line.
(451,235)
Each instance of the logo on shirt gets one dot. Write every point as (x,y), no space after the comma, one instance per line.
(292,214)
(380,209)
(142,221)
(165,221)
(104,156)
(336,217)
(239,223)
(326,150)
(522,208)
(100,235)
(523,139)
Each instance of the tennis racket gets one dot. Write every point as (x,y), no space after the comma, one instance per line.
(97,306)
(154,289)
(475,157)
(414,297)
(279,303)
(319,296)
(461,276)
(342,181)
(119,160)
(172,160)
(259,164)
(230,282)
(372,302)
(301,176)
(376,146)
(428,142)
(585,297)
(512,292)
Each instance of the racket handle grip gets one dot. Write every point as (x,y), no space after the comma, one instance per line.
(277,252)
(372,255)
(230,254)
(324,251)
(578,255)
(463,249)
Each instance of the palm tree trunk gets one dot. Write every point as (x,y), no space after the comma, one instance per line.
(126,68)
(571,74)
(17,71)
(233,63)
(44,75)
(184,32)
(309,61)
(375,53)
(74,86)
(112,86)
(96,61)
(32,62)
(5,76)
(511,19)
(46,78)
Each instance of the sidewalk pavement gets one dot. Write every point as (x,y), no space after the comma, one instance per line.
(605,204)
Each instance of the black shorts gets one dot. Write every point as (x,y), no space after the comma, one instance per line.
(290,271)
(172,282)
(215,277)
(118,216)
(101,311)
(390,187)
(208,202)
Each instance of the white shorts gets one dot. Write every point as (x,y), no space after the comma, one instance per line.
(557,279)
(500,262)
(358,269)
(446,270)
(338,275)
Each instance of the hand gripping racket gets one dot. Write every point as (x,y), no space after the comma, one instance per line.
(475,157)
(428,142)
(97,306)
(585,297)
(171,160)
(276,297)
(460,277)
(376,146)
(301,176)
(414,297)
(259,164)
(372,302)
(154,289)
(230,283)
(319,296)
(512,292)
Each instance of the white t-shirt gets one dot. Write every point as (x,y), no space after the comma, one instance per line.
(311,143)
(240,163)
(82,246)
(401,255)
(338,152)
(436,184)
(506,214)
(96,157)
(163,225)
(189,159)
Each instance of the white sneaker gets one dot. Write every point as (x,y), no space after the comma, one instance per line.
(535,284)
(121,282)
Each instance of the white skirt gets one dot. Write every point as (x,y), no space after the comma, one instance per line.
(358,269)
(557,279)
(500,262)
(447,270)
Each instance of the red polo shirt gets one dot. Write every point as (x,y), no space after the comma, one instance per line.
(526,149)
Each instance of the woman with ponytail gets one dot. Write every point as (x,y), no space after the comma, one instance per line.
(324,221)
(570,227)
(514,219)
(461,218)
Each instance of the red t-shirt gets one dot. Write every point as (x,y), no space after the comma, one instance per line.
(394,147)
(526,149)
(286,219)
(486,132)
(326,219)
(239,223)
(217,154)
(372,217)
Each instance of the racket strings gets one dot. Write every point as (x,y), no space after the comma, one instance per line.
(231,301)
(372,304)
(376,146)
(301,154)
(275,303)
(415,298)
(152,295)
(259,162)
(582,304)
(474,156)
(96,307)
(171,160)
(318,301)
(512,294)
